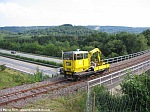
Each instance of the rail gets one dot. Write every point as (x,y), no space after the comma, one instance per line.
(125,57)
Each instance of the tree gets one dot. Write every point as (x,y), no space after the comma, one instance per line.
(15,46)
(129,41)
(88,48)
(141,43)
(137,89)
(115,46)
(146,33)
(95,44)
(32,47)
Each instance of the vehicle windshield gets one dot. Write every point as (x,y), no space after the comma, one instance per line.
(72,56)
(67,56)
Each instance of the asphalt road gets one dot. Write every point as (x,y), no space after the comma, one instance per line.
(27,67)
(33,56)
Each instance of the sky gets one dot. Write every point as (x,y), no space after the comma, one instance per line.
(132,13)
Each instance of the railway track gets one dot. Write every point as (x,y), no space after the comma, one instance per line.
(32,92)
(57,85)
(128,63)
(124,64)
(23,94)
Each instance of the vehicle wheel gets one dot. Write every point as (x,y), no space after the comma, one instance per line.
(75,78)
(92,69)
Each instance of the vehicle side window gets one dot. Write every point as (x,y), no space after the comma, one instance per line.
(79,56)
(85,55)
(67,56)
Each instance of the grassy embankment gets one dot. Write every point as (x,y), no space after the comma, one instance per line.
(12,78)
(73,103)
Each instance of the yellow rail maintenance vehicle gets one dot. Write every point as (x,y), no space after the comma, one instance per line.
(77,64)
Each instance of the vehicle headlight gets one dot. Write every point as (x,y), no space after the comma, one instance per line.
(68,64)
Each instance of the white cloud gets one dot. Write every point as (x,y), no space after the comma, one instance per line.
(15,13)
(77,12)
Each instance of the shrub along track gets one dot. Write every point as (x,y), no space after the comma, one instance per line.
(63,87)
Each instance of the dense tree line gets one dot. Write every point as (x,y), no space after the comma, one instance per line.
(108,29)
(63,30)
(21,29)
(111,45)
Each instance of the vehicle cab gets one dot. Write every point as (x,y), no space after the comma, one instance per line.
(75,61)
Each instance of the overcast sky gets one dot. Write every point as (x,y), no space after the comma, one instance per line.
(134,13)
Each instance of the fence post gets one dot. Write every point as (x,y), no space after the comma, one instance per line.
(88,98)
(111,79)
(93,103)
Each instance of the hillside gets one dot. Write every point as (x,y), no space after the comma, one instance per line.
(117,29)
(63,30)
(20,29)
(70,30)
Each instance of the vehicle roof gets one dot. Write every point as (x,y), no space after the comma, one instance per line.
(76,52)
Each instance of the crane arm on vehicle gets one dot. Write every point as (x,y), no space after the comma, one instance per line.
(94,51)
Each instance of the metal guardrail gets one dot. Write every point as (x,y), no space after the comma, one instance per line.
(116,77)
(119,75)
(125,57)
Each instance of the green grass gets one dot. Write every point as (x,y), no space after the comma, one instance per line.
(72,103)
(10,78)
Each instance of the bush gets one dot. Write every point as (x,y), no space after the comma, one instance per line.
(137,89)
(2,67)
(38,75)
(135,96)
(103,100)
